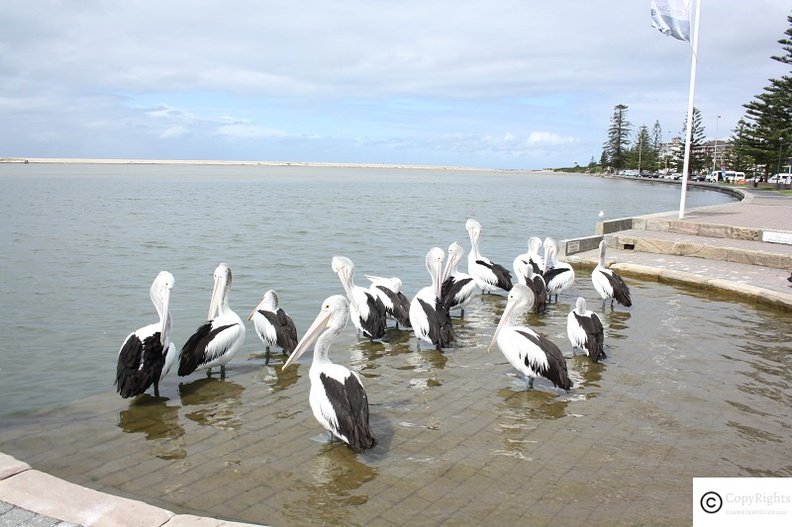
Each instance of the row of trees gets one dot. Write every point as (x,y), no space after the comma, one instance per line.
(761,143)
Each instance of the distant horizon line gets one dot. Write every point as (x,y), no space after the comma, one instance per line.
(131,161)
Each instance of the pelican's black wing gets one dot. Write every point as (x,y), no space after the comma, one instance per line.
(139,364)
(556,370)
(350,403)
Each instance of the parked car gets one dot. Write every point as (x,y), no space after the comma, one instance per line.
(782,177)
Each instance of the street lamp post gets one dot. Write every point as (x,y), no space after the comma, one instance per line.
(640,150)
(715,152)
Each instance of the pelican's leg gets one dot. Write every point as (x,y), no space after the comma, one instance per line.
(267,357)
(156,388)
(611,303)
(418,344)
(222,373)
(462,313)
(529,381)
(209,373)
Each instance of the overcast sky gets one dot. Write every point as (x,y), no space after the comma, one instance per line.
(501,83)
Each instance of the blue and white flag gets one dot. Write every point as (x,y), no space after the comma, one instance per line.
(672,18)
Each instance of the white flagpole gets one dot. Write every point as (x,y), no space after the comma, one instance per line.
(689,127)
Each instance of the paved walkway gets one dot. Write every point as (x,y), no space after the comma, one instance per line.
(723,247)
(32,498)
(744,248)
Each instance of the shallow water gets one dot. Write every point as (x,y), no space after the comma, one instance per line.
(696,384)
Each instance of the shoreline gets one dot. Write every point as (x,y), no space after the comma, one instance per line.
(265,163)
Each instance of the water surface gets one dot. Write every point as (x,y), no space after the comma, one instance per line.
(696,384)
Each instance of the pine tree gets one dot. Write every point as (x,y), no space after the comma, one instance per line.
(657,145)
(697,159)
(765,133)
(641,152)
(615,148)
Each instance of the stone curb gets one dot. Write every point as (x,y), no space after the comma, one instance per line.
(750,293)
(46,495)
(703,250)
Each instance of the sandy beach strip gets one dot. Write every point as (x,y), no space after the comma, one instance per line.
(110,161)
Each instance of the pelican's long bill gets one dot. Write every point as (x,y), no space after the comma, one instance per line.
(217,296)
(166,318)
(160,297)
(343,267)
(512,303)
(255,309)
(439,272)
(505,317)
(310,337)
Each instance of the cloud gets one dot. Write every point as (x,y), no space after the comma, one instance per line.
(503,81)
(248,131)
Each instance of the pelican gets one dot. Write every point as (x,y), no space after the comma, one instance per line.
(273,325)
(608,284)
(524,271)
(489,276)
(366,310)
(584,329)
(532,256)
(458,288)
(217,340)
(338,399)
(388,290)
(148,354)
(428,315)
(529,352)
(559,276)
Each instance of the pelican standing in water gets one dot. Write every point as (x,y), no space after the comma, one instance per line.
(608,284)
(337,398)
(148,354)
(559,276)
(523,269)
(584,329)
(428,315)
(217,340)
(532,256)
(273,325)
(365,309)
(388,290)
(530,353)
(488,275)
(458,288)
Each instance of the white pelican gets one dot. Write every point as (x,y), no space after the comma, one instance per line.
(217,340)
(608,284)
(148,354)
(532,256)
(273,325)
(529,352)
(388,290)
(584,329)
(523,269)
(458,288)
(489,276)
(428,315)
(338,399)
(559,276)
(366,310)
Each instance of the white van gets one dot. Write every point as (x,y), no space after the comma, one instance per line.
(728,176)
